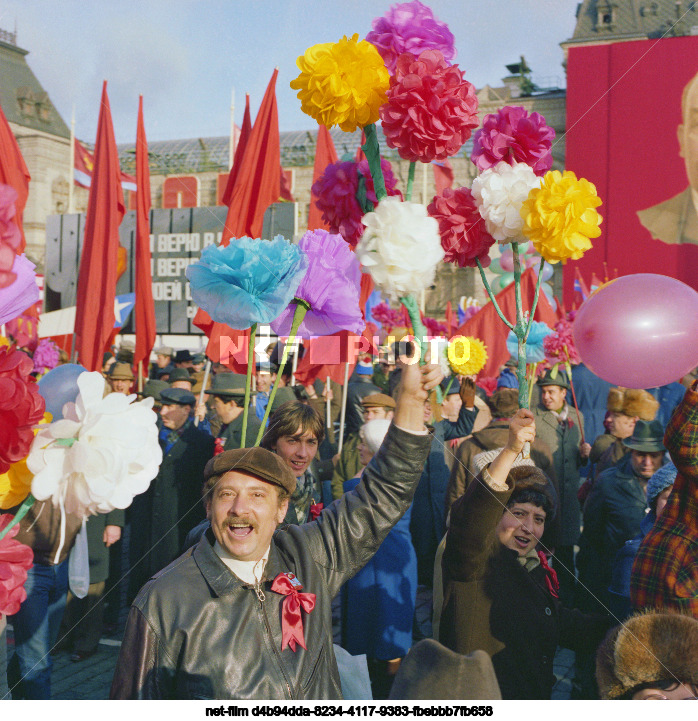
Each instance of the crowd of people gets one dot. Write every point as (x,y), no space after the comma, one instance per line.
(264,572)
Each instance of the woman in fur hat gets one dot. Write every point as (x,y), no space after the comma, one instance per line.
(500,594)
(652,656)
(625,407)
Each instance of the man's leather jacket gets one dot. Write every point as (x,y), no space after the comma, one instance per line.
(197,631)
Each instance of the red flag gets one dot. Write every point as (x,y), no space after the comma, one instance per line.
(258,182)
(83,167)
(285,192)
(94,313)
(239,152)
(449,319)
(14,172)
(443,175)
(144,310)
(325,154)
(488,327)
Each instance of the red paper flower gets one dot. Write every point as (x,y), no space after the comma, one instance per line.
(382,313)
(488,384)
(336,189)
(21,406)
(559,347)
(431,109)
(514,136)
(434,327)
(10,237)
(464,235)
(15,560)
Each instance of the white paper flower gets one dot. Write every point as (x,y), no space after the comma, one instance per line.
(102,453)
(499,193)
(400,247)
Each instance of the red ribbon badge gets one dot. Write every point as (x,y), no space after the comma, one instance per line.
(218,446)
(551,576)
(315,510)
(291,620)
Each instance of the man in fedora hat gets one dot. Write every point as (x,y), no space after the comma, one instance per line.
(120,378)
(183,359)
(181,378)
(247,613)
(559,428)
(616,507)
(162,516)
(228,397)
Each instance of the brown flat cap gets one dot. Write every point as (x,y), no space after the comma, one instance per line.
(257,462)
(378,400)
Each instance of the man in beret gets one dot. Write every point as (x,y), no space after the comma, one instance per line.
(228,396)
(162,516)
(246,614)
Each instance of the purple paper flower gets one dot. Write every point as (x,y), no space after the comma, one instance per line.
(23,292)
(331,288)
(410,28)
(514,136)
(45,356)
(335,191)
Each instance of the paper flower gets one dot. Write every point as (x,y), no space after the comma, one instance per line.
(488,384)
(21,292)
(434,327)
(388,317)
(442,355)
(400,247)
(463,232)
(342,83)
(476,360)
(431,109)
(335,192)
(535,351)
(499,194)
(560,216)
(102,453)
(248,281)
(15,560)
(21,406)
(46,356)
(331,287)
(559,346)
(514,136)
(410,28)
(10,237)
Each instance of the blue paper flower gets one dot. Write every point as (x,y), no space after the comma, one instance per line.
(535,352)
(248,281)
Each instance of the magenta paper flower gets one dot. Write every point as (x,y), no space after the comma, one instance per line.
(15,560)
(410,28)
(434,327)
(10,237)
(560,347)
(21,292)
(463,232)
(336,189)
(331,288)
(512,135)
(45,356)
(431,109)
(388,317)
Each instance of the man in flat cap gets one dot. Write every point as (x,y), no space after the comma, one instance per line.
(228,396)
(162,516)
(163,361)
(246,614)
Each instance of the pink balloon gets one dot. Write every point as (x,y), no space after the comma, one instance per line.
(506,260)
(639,331)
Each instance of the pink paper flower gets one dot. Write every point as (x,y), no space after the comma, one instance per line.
(21,293)
(488,384)
(464,235)
(336,191)
(10,237)
(431,109)
(559,347)
(15,560)
(388,317)
(434,327)
(512,135)
(21,406)
(410,28)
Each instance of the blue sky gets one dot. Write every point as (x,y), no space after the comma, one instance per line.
(186,56)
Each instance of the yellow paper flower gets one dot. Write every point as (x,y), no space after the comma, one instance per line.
(467,355)
(560,216)
(342,83)
(16,483)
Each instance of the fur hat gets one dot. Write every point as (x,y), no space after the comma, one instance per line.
(504,402)
(532,478)
(648,647)
(633,403)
